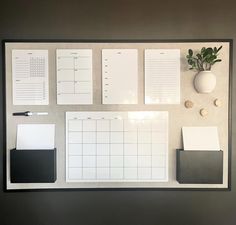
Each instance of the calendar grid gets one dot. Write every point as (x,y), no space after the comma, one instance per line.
(116,149)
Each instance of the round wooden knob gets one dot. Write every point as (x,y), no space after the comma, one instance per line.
(203,112)
(188,104)
(217,103)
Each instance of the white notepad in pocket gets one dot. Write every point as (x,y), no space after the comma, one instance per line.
(35,136)
(200,138)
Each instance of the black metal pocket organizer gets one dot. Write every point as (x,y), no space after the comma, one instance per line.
(199,167)
(33,166)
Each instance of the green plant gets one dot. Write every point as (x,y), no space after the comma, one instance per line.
(204,59)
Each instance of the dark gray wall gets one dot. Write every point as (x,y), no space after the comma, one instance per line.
(117,19)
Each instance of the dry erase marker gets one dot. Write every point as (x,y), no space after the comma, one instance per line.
(28,113)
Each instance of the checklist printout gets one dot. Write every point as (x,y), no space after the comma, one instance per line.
(119,76)
(117,146)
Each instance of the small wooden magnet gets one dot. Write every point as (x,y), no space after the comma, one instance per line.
(203,112)
(188,104)
(217,103)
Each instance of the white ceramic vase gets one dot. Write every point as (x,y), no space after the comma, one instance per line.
(205,82)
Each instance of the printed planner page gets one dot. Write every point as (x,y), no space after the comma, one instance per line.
(120,76)
(74,76)
(162,76)
(30,77)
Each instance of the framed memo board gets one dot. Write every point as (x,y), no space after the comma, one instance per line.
(92,118)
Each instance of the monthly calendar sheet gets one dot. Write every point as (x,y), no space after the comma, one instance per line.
(117,146)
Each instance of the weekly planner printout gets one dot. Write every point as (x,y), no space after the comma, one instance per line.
(74,76)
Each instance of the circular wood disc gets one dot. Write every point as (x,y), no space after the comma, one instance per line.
(217,103)
(203,112)
(188,104)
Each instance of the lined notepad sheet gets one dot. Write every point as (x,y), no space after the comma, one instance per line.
(120,76)
(162,76)
(30,77)
(116,146)
(74,76)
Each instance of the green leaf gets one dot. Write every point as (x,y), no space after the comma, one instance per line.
(215,61)
(219,48)
(210,58)
(205,53)
(190,62)
(209,51)
(190,52)
(199,56)
(215,50)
